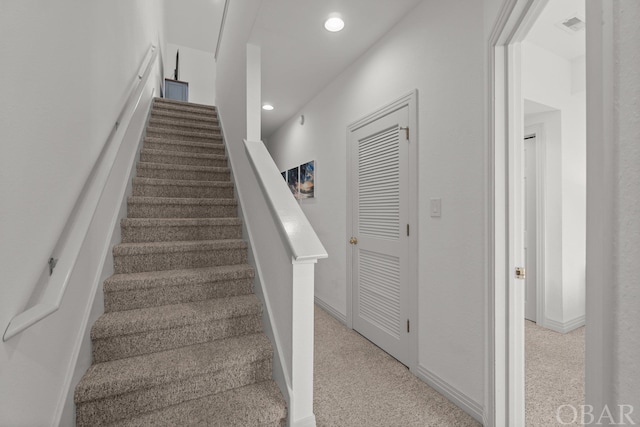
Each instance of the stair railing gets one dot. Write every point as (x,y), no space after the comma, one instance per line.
(305,249)
(295,228)
(67,248)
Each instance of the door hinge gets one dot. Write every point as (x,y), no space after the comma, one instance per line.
(407,229)
(521,273)
(406,130)
(408,326)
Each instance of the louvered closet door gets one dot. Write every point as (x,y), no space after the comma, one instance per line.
(380,256)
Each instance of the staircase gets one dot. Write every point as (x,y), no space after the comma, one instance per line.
(181,342)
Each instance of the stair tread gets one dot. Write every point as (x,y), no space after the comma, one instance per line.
(181,200)
(181,182)
(121,376)
(122,249)
(171,166)
(185,115)
(183,154)
(153,279)
(178,222)
(156,140)
(164,101)
(155,129)
(174,121)
(129,322)
(254,405)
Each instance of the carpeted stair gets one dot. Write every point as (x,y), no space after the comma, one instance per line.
(181,342)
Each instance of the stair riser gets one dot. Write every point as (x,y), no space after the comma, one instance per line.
(195,175)
(180,160)
(208,119)
(134,234)
(171,138)
(252,405)
(212,148)
(105,411)
(154,297)
(183,136)
(145,190)
(178,260)
(143,210)
(183,125)
(120,347)
(185,109)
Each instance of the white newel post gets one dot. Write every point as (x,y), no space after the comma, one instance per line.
(301,405)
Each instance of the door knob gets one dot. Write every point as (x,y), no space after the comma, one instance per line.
(353,241)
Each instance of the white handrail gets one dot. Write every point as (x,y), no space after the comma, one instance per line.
(77,225)
(295,228)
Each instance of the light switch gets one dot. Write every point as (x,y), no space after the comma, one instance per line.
(436,208)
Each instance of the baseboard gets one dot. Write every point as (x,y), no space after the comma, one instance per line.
(564,327)
(309,421)
(457,397)
(332,311)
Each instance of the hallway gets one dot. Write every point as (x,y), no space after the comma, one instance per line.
(554,364)
(357,384)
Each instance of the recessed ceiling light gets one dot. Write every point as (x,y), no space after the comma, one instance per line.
(267,107)
(334,24)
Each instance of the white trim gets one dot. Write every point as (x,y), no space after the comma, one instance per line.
(460,399)
(565,327)
(409,100)
(538,131)
(309,421)
(602,179)
(505,314)
(332,311)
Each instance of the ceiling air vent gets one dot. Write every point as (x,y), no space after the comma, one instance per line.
(572,25)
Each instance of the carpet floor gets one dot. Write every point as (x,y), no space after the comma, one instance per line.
(554,369)
(358,384)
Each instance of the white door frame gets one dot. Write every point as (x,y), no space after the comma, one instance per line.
(537,129)
(600,47)
(409,100)
(505,316)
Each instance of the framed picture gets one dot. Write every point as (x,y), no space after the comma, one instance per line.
(293,180)
(284,175)
(306,187)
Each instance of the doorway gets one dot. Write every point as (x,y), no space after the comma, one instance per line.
(382,227)
(511,245)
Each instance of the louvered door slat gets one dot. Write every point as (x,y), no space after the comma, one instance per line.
(378,167)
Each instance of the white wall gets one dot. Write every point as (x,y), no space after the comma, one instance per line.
(197,67)
(626,249)
(427,51)
(72,65)
(613,238)
(559,83)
